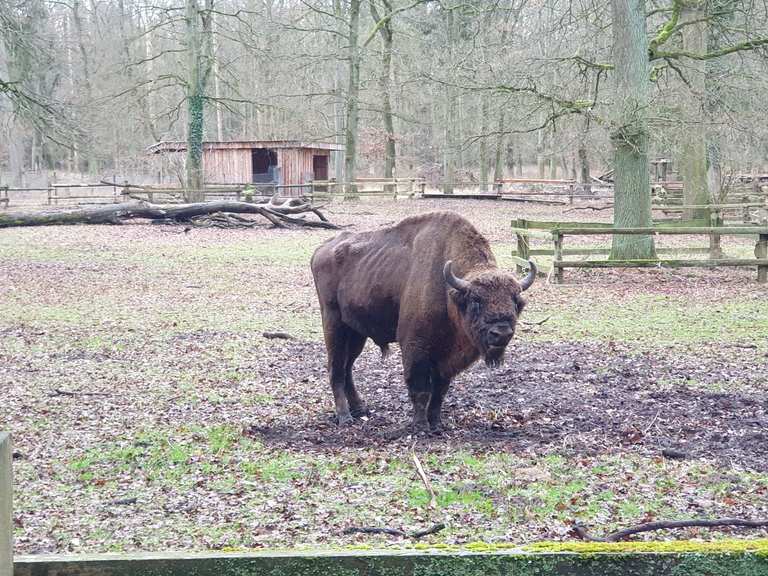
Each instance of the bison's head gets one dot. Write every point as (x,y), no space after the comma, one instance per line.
(489,304)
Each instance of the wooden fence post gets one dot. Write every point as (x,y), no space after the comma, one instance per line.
(523,245)
(715,220)
(6,506)
(761,253)
(557,256)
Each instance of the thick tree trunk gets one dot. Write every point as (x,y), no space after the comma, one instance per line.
(199,66)
(353,104)
(632,191)
(385,85)
(693,154)
(86,148)
(279,215)
(339,109)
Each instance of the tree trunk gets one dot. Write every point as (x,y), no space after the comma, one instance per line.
(485,109)
(498,160)
(629,134)
(583,154)
(88,120)
(693,154)
(216,82)
(339,107)
(541,160)
(449,155)
(385,84)
(353,93)
(199,64)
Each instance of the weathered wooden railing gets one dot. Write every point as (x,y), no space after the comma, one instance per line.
(6,506)
(556,232)
(392,187)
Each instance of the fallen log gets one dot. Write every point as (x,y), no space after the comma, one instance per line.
(280,215)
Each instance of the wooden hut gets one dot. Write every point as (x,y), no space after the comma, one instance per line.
(287,164)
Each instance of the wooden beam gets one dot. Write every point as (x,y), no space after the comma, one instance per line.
(659,263)
(597,559)
(6,506)
(731,230)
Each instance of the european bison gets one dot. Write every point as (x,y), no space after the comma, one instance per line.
(429,283)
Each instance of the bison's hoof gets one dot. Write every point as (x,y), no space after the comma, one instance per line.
(344,419)
(361,413)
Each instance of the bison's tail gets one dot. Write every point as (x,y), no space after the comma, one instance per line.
(385,351)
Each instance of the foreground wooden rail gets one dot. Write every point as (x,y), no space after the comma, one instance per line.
(524,230)
(596,560)
(6,506)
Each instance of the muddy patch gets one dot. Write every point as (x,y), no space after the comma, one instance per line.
(576,398)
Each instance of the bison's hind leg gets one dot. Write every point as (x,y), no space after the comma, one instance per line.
(355,345)
(344,345)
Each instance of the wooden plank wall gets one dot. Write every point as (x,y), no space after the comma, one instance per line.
(227,166)
(296,166)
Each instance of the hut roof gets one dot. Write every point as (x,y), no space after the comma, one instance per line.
(181,145)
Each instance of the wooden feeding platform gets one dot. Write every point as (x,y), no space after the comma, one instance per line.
(555,232)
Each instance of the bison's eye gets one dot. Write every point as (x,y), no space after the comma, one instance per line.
(475,304)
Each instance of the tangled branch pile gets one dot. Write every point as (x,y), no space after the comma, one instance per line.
(285,213)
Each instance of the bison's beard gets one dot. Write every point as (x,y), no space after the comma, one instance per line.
(494,356)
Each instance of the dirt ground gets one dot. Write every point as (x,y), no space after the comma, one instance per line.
(150,413)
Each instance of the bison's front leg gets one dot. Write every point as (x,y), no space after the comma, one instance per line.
(439,389)
(417,372)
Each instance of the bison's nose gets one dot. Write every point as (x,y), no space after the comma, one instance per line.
(500,335)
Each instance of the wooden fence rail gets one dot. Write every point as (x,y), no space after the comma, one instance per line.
(392,187)
(556,232)
(6,506)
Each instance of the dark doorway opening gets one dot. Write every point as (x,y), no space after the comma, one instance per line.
(320,167)
(264,163)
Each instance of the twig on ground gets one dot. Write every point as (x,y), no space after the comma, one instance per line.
(581,532)
(424,479)
(60,392)
(653,421)
(394,531)
(123,501)
(537,323)
(278,335)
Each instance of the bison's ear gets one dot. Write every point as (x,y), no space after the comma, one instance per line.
(521,302)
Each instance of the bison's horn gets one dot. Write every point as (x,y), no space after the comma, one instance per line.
(454,281)
(528,280)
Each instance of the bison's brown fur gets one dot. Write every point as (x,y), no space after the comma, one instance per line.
(429,283)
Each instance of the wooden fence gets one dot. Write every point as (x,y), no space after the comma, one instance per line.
(555,232)
(387,187)
(6,506)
